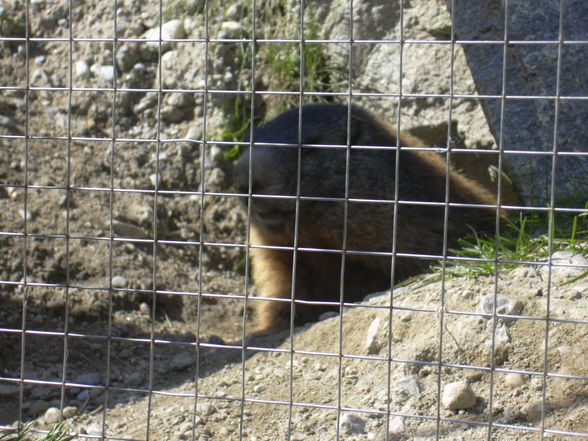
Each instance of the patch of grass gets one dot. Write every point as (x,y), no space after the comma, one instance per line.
(525,239)
(58,432)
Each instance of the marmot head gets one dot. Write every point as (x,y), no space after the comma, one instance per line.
(279,149)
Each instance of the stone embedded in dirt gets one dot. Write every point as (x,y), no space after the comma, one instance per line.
(571,260)
(90,378)
(514,379)
(232,29)
(181,361)
(205,409)
(372,342)
(458,395)
(52,416)
(410,385)
(579,292)
(119,282)
(532,411)
(504,305)
(351,423)
(173,29)
(501,336)
(81,69)
(104,72)
(396,425)
(125,229)
(70,411)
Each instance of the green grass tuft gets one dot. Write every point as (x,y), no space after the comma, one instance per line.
(525,239)
(58,432)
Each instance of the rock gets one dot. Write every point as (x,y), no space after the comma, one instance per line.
(458,395)
(172,30)
(504,305)
(579,292)
(144,308)
(155,179)
(532,411)
(531,70)
(52,416)
(410,385)
(92,379)
(216,153)
(514,379)
(104,72)
(40,77)
(38,406)
(126,58)
(473,375)
(351,423)
(372,342)
(125,229)
(181,361)
(501,336)
(70,411)
(10,124)
(9,390)
(569,260)
(119,282)
(205,409)
(232,29)
(396,425)
(81,69)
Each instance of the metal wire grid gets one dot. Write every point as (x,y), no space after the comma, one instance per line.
(197,345)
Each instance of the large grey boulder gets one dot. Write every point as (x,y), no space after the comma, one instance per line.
(538,124)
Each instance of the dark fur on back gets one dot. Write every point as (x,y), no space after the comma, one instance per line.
(274,171)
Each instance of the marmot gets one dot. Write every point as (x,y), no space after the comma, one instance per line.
(322,175)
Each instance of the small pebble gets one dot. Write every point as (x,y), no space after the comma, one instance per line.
(352,424)
(119,282)
(70,411)
(514,380)
(372,342)
(144,308)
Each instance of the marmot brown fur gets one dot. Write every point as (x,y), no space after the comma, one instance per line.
(322,175)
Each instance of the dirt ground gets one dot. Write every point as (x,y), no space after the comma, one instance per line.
(127,363)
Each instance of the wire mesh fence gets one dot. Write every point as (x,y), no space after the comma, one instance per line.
(199,201)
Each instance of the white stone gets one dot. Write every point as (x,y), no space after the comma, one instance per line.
(104,72)
(372,342)
(504,305)
(514,379)
(396,425)
(172,30)
(231,28)
(52,415)
(119,282)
